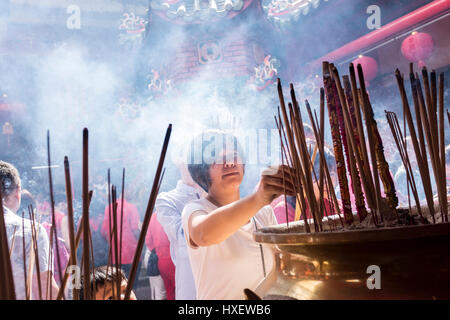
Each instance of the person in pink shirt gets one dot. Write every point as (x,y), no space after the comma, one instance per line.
(279,209)
(279,204)
(130,232)
(156,239)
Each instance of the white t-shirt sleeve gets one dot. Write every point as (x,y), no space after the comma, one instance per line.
(190,209)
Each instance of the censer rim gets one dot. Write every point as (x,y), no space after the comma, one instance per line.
(274,235)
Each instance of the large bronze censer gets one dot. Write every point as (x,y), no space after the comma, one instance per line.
(411,262)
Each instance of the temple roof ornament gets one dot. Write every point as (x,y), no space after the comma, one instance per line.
(283,12)
(198,11)
(265,73)
(132,30)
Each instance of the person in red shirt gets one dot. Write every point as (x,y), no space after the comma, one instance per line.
(156,239)
(130,232)
(99,243)
(44,209)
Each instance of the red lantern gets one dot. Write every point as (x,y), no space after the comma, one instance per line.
(418,47)
(369,66)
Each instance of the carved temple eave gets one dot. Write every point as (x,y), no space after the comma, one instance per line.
(197,11)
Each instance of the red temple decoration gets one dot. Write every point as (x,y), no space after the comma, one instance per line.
(158,84)
(418,47)
(265,73)
(369,66)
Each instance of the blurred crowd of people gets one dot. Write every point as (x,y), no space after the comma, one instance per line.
(171,251)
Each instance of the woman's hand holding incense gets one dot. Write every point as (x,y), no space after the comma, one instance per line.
(275,180)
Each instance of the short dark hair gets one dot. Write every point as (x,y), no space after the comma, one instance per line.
(200,171)
(101,276)
(9,179)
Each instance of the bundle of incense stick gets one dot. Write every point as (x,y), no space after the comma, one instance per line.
(352,101)
(339,136)
(430,135)
(365,164)
(114,250)
(400,141)
(295,152)
(114,228)
(357,144)
(356,182)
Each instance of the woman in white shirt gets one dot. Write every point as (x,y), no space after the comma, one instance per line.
(219,228)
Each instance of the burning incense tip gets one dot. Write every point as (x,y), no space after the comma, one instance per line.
(44,167)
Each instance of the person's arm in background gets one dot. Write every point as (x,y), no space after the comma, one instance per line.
(53,286)
(134,220)
(65,231)
(149,236)
(104,231)
(170,219)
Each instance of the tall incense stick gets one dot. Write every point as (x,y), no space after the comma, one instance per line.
(442,146)
(86,227)
(70,218)
(121,218)
(34,248)
(53,230)
(24,254)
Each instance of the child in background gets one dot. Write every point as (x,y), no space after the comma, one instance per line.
(102,281)
(130,233)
